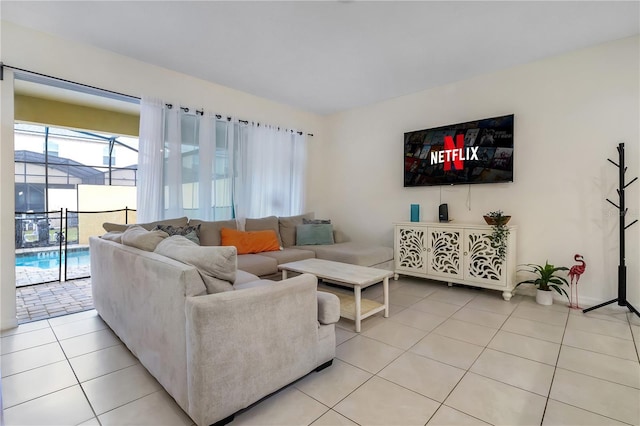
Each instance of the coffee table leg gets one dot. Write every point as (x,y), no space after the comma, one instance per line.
(356,290)
(284,274)
(385,291)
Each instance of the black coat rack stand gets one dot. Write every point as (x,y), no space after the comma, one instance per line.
(622,268)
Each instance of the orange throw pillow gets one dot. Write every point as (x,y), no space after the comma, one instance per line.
(250,241)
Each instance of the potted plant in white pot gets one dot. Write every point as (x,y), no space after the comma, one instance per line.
(547,279)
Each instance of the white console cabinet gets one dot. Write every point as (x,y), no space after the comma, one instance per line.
(456,253)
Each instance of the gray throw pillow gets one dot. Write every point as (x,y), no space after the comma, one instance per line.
(217,265)
(138,237)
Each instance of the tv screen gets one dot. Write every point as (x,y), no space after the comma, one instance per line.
(474,152)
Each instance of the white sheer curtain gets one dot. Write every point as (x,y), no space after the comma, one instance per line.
(215,168)
(172,178)
(150,156)
(208,168)
(271,169)
(185,164)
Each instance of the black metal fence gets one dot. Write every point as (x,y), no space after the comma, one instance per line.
(54,246)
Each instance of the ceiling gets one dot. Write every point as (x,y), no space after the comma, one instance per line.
(329,56)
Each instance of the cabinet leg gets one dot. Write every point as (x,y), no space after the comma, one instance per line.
(395,277)
(450,284)
(506,295)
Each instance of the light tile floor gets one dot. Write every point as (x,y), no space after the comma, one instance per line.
(446,356)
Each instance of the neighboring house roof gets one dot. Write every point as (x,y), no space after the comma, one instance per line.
(66,165)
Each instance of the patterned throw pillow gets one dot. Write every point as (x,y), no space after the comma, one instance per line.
(189,232)
(316,221)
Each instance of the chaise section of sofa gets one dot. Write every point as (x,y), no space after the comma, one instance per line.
(354,253)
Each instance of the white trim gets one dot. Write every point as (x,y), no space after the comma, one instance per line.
(7,222)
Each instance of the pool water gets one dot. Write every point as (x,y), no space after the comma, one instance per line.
(50,259)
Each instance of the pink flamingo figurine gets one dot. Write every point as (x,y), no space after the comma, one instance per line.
(575,272)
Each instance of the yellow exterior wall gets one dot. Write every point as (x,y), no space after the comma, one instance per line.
(99,198)
(55,113)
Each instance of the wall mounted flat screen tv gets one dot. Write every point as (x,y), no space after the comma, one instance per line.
(478,151)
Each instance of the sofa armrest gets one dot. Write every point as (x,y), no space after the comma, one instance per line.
(244,345)
(328,308)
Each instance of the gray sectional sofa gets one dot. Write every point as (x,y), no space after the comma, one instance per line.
(265,264)
(216,338)
(214,334)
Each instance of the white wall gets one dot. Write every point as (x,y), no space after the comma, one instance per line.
(570,113)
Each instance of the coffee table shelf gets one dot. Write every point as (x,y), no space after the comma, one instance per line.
(354,276)
(368,307)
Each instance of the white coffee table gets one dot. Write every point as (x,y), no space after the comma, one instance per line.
(354,276)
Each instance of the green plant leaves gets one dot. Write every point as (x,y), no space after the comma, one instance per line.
(547,278)
(499,235)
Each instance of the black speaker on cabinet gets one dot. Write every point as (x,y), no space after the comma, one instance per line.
(443,213)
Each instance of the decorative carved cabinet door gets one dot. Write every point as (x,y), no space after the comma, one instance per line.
(482,263)
(411,249)
(444,253)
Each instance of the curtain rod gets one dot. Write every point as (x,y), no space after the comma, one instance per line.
(219,117)
(114,95)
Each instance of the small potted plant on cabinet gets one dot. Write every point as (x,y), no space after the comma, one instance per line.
(547,279)
(499,232)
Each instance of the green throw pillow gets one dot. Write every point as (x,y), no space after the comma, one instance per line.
(314,234)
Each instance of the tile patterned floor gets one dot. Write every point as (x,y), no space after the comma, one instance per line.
(446,356)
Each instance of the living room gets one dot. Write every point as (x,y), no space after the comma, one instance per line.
(571,110)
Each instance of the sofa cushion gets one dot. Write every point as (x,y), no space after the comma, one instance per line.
(243,277)
(210,231)
(216,265)
(314,234)
(257,264)
(288,228)
(109,227)
(189,232)
(354,253)
(263,224)
(248,242)
(289,255)
(253,284)
(138,237)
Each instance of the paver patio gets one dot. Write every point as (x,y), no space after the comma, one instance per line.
(42,301)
